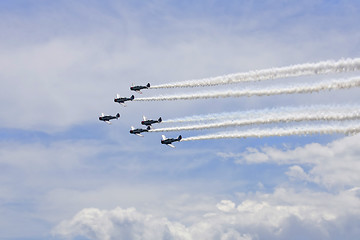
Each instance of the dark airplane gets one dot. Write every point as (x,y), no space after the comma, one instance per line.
(107,118)
(169,141)
(138,88)
(149,122)
(138,131)
(122,100)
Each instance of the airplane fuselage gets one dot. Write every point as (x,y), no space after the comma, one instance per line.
(169,141)
(123,99)
(139,130)
(138,88)
(107,118)
(149,122)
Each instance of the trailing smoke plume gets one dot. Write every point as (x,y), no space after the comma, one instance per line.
(342,65)
(274,118)
(299,88)
(268,112)
(300,130)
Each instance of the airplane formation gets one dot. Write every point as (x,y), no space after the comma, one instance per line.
(312,113)
(147,122)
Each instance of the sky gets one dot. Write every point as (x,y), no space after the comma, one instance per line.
(66,175)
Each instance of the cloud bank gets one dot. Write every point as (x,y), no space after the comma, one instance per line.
(289,211)
(278,215)
(334,165)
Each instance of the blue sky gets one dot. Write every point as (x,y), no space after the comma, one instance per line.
(65,175)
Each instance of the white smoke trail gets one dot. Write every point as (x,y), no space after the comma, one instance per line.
(342,65)
(300,88)
(265,113)
(350,128)
(290,117)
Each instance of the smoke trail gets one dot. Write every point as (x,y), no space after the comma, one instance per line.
(342,65)
(264,113)
(302,130)
(303,88)
(290,117)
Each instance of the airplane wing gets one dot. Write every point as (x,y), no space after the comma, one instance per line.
(170,145)
(163,137)
(132,128)
(138,134)
(144,118)
(123,104)
(108,122)
(117,95)
(102,114)
(139,91)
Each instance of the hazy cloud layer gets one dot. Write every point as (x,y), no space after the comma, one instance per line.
(72,74)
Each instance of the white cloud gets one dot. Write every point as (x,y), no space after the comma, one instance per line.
(54,179)
(297,173)
(120,224)
(226,206)
(334,165)
(258,216)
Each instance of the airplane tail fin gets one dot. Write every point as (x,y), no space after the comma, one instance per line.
(180,137)
(117,115)
(160,120)
(132,97)
(148,85)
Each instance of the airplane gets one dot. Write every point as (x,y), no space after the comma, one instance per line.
(138,88)
(107,118)
(122,100)
(149,122)
(138,131)
(169,141)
